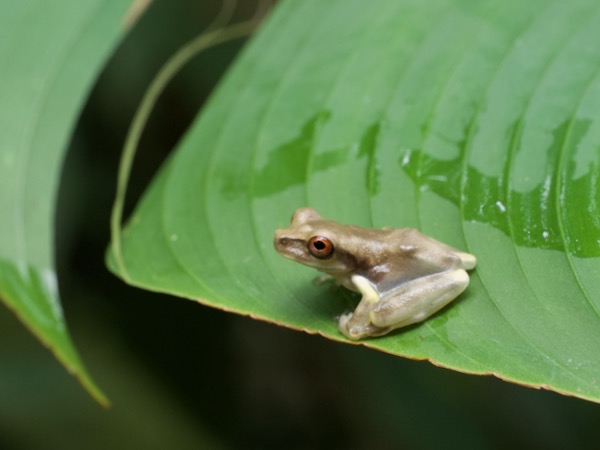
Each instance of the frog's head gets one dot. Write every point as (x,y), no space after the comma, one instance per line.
(315,242)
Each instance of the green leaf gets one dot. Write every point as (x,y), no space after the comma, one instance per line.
(475,121)
(49,56)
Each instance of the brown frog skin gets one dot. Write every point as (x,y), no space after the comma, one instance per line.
(404,276)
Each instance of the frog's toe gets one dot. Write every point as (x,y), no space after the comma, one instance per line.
(354,333)
(351,331)
(343,325)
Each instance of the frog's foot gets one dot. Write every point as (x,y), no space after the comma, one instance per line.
(355,331)
(343,321)
(322,279)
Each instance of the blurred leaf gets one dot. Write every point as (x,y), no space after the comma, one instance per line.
(50,54)
(146,414)
(475,121)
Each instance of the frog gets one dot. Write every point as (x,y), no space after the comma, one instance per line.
(403,275)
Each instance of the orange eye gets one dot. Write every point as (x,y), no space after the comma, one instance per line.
(320,247)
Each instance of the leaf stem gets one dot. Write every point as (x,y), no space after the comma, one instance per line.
(214,35)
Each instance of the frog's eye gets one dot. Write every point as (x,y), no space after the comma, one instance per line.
(320,247)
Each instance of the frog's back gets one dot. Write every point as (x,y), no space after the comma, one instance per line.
(423,252)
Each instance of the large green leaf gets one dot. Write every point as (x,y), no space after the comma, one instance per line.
(50,54)
(475,121)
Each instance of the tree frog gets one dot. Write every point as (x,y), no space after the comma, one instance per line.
(403,276)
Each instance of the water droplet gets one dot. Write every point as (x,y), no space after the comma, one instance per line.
(406,158)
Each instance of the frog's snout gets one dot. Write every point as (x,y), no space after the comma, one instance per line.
(288,246)
(280,241)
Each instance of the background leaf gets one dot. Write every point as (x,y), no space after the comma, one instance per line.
(473,121)
(49,56)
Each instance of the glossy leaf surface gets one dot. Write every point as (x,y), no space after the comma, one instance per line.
(476,122)
(50,55)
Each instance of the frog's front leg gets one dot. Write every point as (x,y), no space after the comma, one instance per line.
(357,324)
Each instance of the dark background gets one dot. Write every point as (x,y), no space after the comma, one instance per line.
(181,375)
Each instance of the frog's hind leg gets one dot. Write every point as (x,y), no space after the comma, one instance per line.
(416,300)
